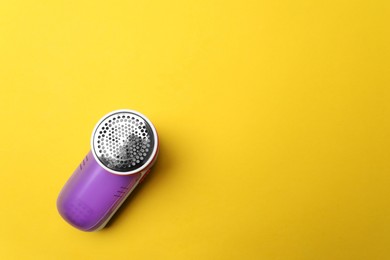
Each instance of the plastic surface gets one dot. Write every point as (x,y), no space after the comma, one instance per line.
(92,195)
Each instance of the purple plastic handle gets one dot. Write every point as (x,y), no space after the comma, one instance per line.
(92,194)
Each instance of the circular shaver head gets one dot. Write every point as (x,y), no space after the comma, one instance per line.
(124,142)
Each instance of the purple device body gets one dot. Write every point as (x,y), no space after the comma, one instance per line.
(126,144)
(92,194)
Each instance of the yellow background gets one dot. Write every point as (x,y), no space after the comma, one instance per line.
(273,118)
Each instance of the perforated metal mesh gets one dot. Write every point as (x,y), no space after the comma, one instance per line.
(123,141)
